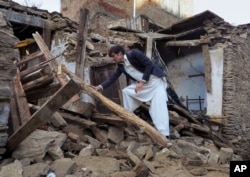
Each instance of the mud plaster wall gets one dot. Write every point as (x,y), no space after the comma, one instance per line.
(193,87)
(102,11)
(64,44)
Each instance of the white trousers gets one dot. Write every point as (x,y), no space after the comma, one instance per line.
(155,92)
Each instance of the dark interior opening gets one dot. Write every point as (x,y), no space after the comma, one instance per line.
(23,31)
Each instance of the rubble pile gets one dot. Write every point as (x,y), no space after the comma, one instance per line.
(112,148)
(70,144)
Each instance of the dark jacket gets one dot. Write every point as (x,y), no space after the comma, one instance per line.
(141,62)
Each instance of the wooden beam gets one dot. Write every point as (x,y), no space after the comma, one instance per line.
(196,42)
(47,35)
(185,113)
(46,52)
(186,33)
(149,47)
(126,115)
(208,69)
(21,101)
(81,42)
(150,37)
(160,36)
(23,18)
(43,114)
(155,35)
(77,120)
(19,8)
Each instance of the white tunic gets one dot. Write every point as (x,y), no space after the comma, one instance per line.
(154,91)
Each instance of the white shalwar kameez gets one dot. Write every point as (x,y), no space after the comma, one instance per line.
(154,91)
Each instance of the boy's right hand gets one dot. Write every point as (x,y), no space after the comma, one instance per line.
(97,88)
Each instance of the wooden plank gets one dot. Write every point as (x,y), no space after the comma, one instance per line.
(63,80)
(208,69)
(30,58)
(109,119)
(44,48)
(22,103)
(32,69)
(39,93)
(32,76)
(77,120)
(47,79)
(155,35)
(15,118)
(79,107)
(43,114)
(37,67)
(81,42)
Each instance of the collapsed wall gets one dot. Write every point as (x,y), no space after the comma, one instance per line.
(7,72)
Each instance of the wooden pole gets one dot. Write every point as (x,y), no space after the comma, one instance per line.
(81,43)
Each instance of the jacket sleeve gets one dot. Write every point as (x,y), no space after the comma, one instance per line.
(112,78)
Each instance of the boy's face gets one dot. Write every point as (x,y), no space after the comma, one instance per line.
(118,58)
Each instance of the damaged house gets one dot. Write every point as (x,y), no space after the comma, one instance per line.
(207,61)
(49,60)
(200,65)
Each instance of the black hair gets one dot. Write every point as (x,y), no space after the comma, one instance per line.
(116,49)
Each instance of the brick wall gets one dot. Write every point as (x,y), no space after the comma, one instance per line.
(116,9)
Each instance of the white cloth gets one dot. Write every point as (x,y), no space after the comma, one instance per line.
(154,91)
